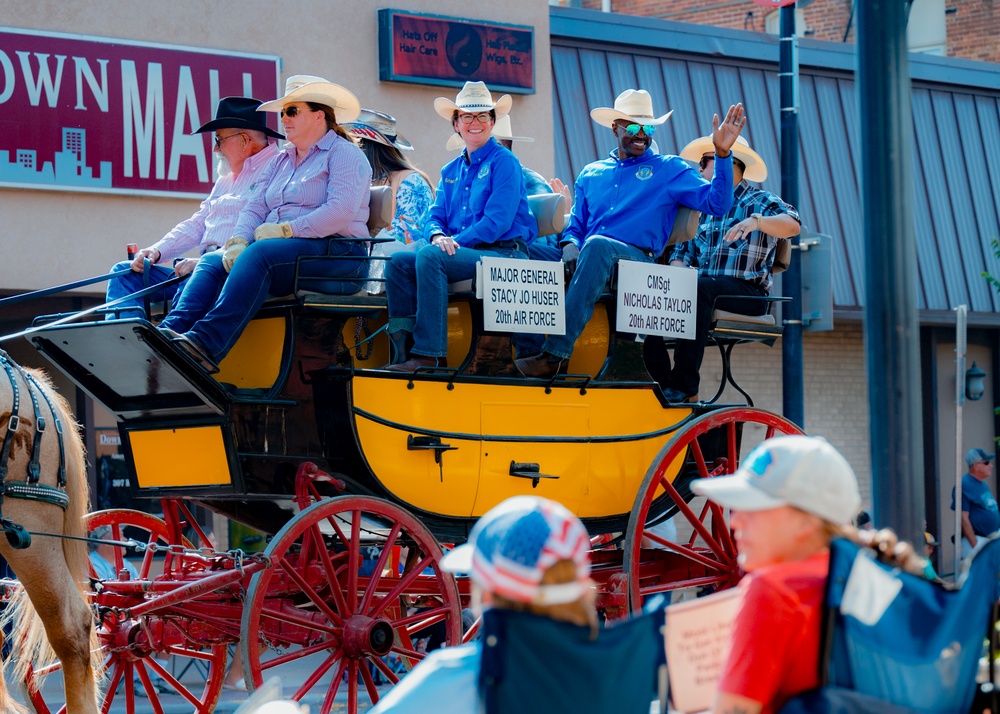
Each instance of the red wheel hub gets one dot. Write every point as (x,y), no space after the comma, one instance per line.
(364,636)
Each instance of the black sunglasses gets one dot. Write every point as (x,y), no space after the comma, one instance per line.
(704,161)
(292,112)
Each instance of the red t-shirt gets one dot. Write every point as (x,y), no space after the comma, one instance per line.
(775,644)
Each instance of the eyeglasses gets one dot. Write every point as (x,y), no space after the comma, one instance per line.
(292,111)
(220,139)
(705,161)
(633,129)
(481,117)
(985,463)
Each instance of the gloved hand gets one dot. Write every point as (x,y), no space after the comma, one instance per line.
(273,230)
(234,246)
(570,255)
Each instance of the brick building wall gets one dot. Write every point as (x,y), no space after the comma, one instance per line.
(972,25)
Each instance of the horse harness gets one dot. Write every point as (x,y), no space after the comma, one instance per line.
(30,489)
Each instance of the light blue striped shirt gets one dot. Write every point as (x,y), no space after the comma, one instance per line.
(326,194)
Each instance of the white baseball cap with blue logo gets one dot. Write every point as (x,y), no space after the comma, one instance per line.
(800,471)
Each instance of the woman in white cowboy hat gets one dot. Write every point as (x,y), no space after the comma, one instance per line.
(313,193)
(481,208)
(383,145)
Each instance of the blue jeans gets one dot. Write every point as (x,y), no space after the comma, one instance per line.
(593,268)
(214,309)
(131,283)
(416,286)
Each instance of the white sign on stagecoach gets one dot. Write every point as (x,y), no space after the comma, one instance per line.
(657,299)
(522,295)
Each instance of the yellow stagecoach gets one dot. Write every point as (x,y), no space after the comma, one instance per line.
(360,476)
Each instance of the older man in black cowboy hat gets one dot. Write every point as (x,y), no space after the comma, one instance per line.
(244,147)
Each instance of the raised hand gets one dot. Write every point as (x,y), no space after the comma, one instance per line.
(724,134)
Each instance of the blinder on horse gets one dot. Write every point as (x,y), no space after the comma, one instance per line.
(28,489)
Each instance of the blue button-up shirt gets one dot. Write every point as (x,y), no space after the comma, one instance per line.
(635,200)
(481,199)
(325,194)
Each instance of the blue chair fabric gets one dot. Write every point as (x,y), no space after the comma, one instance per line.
(922,654)
(535,664)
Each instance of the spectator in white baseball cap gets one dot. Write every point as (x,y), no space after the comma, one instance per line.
(529,554)
(787,500)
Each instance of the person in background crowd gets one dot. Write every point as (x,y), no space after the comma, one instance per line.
(480,209)
(528,554)
(625,208)
(864,521)
(980,515)
(314,193)
(243,148)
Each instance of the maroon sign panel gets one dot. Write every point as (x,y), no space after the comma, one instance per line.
(92,114)
(449,51)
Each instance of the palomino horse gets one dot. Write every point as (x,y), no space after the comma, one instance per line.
(50,615)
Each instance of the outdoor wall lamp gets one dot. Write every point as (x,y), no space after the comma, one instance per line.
(975,383)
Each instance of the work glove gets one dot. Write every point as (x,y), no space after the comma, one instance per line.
(234,246)
(273,230)
(570,255)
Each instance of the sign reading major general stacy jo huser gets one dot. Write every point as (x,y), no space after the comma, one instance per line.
(523,296)
(95,114)
(656,299)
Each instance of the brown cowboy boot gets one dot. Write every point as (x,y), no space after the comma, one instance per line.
(417,361)
(542,365)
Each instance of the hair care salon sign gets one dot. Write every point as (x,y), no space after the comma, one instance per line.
(93,114)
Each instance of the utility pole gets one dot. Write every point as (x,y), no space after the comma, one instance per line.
(892,334)
(792,390)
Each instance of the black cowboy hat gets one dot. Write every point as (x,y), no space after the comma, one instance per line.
(239,113)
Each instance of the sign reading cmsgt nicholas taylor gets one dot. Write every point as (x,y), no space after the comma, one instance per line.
(96,114)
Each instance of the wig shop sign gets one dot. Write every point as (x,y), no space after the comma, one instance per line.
(522,295)
(92,114)
(657,299)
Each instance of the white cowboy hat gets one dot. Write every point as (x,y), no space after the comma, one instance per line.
(756,170)
(306,88)
(474,97)
(501,131)
(631,105)
(378,127)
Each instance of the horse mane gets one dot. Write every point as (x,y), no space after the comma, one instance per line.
(30,644)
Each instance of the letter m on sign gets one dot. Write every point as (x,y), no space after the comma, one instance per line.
(143,127)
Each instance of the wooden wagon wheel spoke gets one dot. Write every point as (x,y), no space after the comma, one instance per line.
(403,584)
(307,590)
(386,670)
(357,613)
(706,447)
(376,577)
(331,575)
(317,675)
(354,554)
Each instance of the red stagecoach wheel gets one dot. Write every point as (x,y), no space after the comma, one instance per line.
(709,446)
(128,668)
(354,580)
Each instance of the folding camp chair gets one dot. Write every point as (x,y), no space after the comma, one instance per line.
(535,664)
(896,640)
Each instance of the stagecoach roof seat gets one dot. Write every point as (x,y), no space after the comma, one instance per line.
(381,207)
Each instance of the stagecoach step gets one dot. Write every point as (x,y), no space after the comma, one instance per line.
(131,368)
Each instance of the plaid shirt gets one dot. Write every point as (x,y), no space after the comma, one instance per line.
(746,258)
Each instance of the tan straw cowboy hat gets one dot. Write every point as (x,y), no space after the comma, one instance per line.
(378,127)
(756,169)
(501,132)
(474,97)
(306,88)
(634,105)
